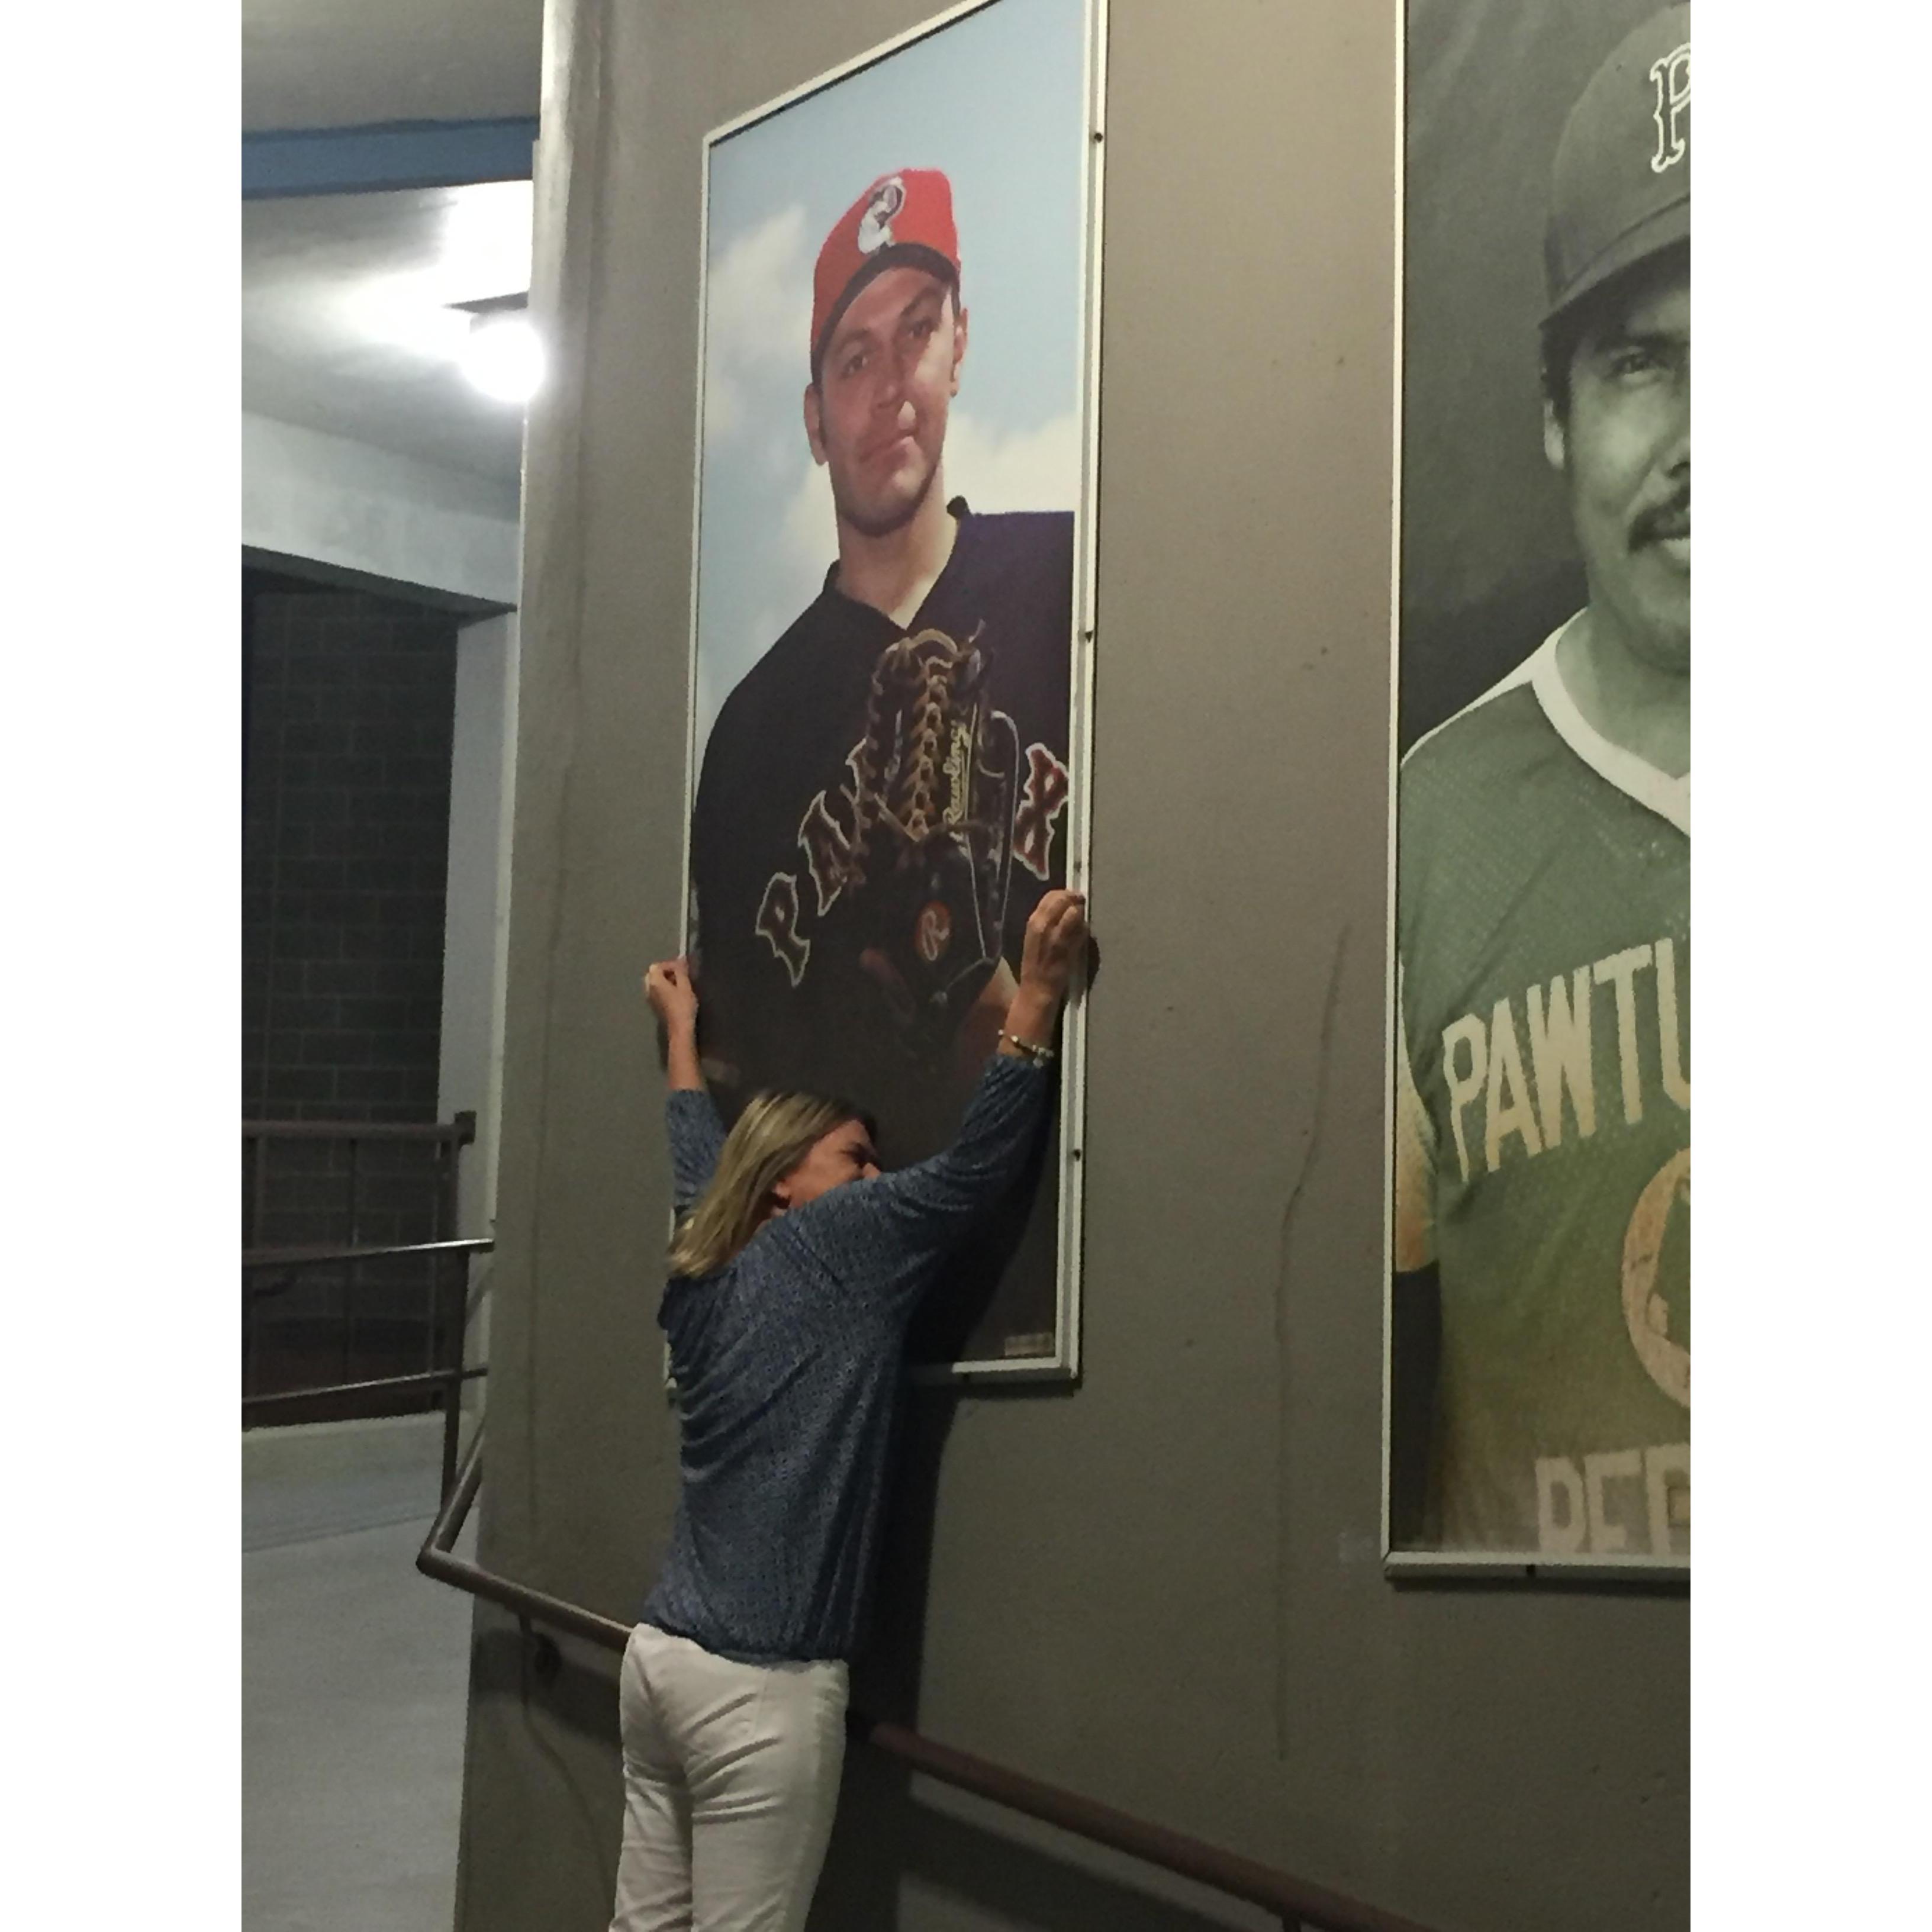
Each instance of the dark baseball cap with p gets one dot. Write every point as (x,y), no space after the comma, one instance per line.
(902,220)
(1620,191)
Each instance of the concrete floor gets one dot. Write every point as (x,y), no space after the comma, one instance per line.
(354,1683)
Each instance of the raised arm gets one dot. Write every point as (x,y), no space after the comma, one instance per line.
(889,1235)
(695,1132)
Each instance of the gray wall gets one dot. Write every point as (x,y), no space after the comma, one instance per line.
(1162,1589)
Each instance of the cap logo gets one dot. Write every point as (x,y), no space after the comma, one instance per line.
(1670,77)
(875,225)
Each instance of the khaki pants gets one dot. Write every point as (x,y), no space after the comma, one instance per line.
(730,1779)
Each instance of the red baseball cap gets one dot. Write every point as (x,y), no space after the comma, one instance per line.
(902,220)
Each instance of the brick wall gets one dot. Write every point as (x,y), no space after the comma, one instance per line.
(345,827)
(349,709)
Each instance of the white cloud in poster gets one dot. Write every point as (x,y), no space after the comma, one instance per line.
(758,313)
(808,539)
(1032,469)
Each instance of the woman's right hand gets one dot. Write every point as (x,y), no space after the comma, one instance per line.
(674,999)
(1056,935)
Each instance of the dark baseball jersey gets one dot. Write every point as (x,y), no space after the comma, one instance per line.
(1543,1122)
(784,999)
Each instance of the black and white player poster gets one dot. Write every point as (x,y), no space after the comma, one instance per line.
(1539,1327)
(892,585)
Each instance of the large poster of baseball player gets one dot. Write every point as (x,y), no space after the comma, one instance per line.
(891,606)
(1539,1392)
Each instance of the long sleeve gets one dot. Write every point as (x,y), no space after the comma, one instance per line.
(888,1236)
(696,1136)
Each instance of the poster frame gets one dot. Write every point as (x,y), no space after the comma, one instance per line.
(1061,1363)
(1408,1565)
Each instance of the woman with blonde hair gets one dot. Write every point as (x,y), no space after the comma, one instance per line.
(794,1272)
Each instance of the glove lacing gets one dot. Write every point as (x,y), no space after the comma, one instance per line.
(922,667)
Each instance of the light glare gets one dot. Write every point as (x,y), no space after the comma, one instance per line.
(503,357)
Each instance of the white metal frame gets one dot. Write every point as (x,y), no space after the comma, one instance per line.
(1063,1364)
(1421,1565)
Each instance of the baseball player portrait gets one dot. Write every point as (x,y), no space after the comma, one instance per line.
(1543,1097)
(881,797)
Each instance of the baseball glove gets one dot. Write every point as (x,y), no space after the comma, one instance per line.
(936,775)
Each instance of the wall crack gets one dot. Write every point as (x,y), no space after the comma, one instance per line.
(1311,1148)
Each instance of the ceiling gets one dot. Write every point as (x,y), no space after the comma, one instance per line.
(354,63)
(347,326)
(347,321)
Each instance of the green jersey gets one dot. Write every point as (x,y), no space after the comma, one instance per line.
(1544,1123)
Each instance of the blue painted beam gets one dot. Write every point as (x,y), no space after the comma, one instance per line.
(399,154)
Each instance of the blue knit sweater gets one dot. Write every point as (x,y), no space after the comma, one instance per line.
(788,1365)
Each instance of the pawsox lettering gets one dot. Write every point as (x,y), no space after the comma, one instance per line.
(1525,1075)
(826,836)
(1624,1500)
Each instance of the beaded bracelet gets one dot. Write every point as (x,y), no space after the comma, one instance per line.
(1028,1050)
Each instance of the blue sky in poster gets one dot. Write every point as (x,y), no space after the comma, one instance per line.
(996,99)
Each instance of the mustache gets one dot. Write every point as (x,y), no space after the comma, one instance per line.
(1671,518)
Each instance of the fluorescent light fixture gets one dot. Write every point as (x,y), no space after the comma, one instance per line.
(430,265)
(503,356)
(484,242)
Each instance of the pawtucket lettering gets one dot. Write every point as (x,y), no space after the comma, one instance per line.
(1507,1104)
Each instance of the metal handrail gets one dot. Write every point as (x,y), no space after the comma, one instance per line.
(444,1140)
(428,1378)
(319,1257)
(1297,1902)
(460,1132)
(286,1262)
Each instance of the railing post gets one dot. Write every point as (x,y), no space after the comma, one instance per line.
(452,1409)
(348,1274)
(439,1210)
(355,1195)
(462,1132)
(260,1177)
(249,1321)
(446,1322)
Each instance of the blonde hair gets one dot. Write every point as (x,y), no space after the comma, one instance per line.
(774,1133)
